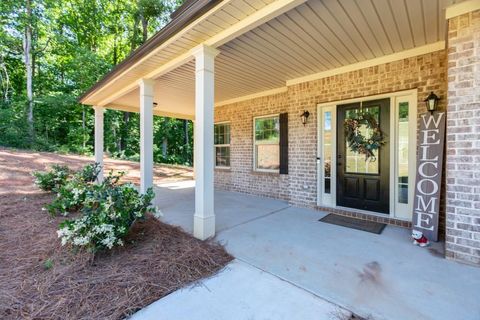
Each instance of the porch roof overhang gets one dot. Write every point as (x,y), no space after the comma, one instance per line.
(266,45)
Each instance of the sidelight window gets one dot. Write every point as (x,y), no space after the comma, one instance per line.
(327,152)
(402,152)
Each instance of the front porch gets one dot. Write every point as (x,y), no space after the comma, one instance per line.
(252,68)
(382,276)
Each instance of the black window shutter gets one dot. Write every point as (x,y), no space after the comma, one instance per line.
(283,143)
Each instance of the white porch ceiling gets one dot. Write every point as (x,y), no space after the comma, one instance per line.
(317,36)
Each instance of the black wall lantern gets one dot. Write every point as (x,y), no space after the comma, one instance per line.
(432,102)
(304,116)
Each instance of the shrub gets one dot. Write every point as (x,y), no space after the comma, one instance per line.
(90,172)
(52,179)
(108,212)
(108,209)
(70,196)
(70,191)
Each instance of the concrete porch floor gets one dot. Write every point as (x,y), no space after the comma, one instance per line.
(377,276)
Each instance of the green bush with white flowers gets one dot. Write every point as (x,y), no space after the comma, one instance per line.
(106,210)
(71,194)
(55,178)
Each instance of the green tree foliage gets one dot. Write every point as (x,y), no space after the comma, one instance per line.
(74,43)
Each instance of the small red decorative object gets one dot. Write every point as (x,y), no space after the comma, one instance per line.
(419,239)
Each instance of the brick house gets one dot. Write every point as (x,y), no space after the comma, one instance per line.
(246,71)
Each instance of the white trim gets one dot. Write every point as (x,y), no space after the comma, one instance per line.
(324,199)
(156,111)
(202,49)
(222,122)
(146,134)
(406,95)
(458,9)
(440,45)
(252,96)
(367,98)
(392,178)
(99,140)
(255,169)
(204,217)
(404,211)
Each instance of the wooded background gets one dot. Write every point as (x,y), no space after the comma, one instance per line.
(52,51)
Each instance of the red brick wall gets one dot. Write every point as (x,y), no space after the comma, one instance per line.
(240,176)
(463,139)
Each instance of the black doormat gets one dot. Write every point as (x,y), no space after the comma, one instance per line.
(353,223)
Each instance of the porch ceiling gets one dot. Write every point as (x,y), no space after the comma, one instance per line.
(314,37)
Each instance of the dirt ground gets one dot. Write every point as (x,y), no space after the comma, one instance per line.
(40,279)
(16,166)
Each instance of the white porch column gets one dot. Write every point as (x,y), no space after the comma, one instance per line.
(99,140)
(146,134)
(204,218)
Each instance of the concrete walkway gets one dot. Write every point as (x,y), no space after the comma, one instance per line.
(284,250)
(241,292)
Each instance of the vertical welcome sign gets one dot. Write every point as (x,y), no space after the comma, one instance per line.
(428,182)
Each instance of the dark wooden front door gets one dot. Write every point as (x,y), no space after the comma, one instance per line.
(363,184)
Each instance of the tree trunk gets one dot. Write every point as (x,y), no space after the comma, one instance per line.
(5,80)
(144,29)
(115,138)
(124,132)
(115,50)
(133,43)
(185,131)
(84,142)
(27,48)
(164,147)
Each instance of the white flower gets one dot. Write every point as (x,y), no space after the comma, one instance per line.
(60,232)
(76,194)
(113,214)
(157,213)
(109,241)
(81,241)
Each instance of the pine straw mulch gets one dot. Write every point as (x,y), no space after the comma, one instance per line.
(156,260)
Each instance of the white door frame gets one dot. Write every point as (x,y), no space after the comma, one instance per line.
(396,210)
